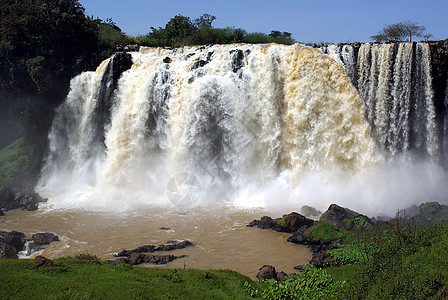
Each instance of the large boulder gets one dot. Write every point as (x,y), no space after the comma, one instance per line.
(42,261)
(267,272)
(44,238)
(168,246)
(7,251)
(139,258)
(39,240)
(339,216)
(15,199)
(14,238)
(288,223)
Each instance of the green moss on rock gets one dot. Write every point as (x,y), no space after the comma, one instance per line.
(324,231)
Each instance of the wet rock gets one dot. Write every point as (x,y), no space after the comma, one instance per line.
(199,64)
(14,238)
(237,60)
(42,261)
(209,56)
(39,240)
(139,258)
(132,48)
(118,261)
(168,246)
(14,199)
(267,272)
(294,221)
(121,62)
(339,216)
(300,238)
(281,276)
(265,222)
(309,211)
(167,60)
(7,251)
(288,223)
(318,259)
(187,56)
(141,249)
(299,267)
(160,259)
(44,238)
(136,258)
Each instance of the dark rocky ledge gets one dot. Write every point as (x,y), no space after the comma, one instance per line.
(168,246)
(288,223)
(140,258)
(11,198)
(338,215)
(140,254)
(11,243)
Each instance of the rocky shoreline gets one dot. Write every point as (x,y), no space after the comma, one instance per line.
(299,225)
(11,198)
(14,242)
(338,218)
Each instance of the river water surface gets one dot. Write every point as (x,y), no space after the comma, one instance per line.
(220,235)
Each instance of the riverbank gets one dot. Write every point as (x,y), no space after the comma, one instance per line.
(73,278)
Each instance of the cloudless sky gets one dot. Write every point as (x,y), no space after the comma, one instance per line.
(307,20)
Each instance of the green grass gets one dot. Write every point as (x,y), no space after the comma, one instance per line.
(311,283)
(70,279)
(408,263)
(343,273)
(324,231)
(14,160)
(284,221)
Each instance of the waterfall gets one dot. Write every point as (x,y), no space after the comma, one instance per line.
(230,115)
(394,82)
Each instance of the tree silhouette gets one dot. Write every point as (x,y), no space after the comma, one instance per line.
(401,31)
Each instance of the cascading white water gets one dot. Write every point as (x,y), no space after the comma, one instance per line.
(394,82)
(234,116)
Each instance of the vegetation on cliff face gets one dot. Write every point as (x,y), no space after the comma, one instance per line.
(45,43)
(15,162)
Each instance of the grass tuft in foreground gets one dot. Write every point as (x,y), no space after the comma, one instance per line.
(76,278)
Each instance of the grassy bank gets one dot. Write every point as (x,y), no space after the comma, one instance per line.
(390,261)
(397,260)
(71,279)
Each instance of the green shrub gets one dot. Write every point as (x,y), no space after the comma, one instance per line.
(357,252)
(324,231)
(311,283)
(361,222)
(408,263)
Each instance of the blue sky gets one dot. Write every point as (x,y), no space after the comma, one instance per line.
(308,21)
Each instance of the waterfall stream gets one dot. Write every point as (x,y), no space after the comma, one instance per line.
(240,121)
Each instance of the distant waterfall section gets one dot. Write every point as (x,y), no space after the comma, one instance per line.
(229,115)
(408,115)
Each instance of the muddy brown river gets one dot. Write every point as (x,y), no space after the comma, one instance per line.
(220,235)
